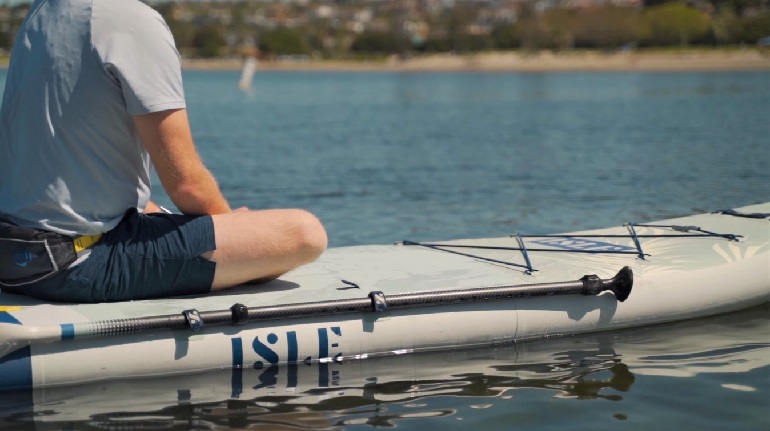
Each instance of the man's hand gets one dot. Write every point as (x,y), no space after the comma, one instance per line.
(152,207)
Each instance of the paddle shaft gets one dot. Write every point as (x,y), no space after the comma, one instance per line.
(20,335)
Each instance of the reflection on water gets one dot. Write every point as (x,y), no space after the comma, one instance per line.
(500,386)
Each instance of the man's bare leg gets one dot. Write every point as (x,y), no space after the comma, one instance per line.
(263,244)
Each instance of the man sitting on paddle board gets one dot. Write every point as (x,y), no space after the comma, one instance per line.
(93,98)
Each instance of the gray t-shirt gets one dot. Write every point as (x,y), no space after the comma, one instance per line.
(70,157)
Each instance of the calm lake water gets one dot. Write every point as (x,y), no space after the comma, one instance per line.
(381,157)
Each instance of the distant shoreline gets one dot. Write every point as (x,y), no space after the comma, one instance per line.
(734,60)
(664,61)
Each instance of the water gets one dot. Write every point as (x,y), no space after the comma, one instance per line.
(381,157)
(384,156)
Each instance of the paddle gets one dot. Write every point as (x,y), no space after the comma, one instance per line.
(17,336)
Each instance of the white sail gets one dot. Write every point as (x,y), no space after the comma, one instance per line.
(247,73)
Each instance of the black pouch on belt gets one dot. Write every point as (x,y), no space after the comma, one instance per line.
(30,255)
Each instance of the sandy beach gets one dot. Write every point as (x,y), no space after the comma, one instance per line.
(748,59)
(688,60)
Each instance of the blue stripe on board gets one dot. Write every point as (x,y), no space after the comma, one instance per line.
(237,346)
(323,343)
(236,377)
(67,331)
(16,368)
(7,318)
(291,337)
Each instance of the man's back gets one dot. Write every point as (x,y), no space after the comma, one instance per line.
(70,160)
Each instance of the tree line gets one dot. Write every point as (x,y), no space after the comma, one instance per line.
(454,29)
(604,27)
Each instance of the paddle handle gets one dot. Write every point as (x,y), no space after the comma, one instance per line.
(620,284)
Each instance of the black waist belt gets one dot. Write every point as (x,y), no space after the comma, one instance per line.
(30,255)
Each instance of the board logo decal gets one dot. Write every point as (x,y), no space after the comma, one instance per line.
(582,244)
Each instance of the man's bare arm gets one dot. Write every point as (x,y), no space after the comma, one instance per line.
(188,183)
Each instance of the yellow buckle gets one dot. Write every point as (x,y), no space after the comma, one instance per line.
(83,242)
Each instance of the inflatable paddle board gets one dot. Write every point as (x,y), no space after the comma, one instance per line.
(382,300)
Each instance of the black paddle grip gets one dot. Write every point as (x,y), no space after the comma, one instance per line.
(620,284)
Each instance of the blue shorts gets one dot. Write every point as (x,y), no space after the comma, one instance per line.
(145,256)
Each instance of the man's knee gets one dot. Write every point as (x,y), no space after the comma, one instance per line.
(310,235)
(293,235)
